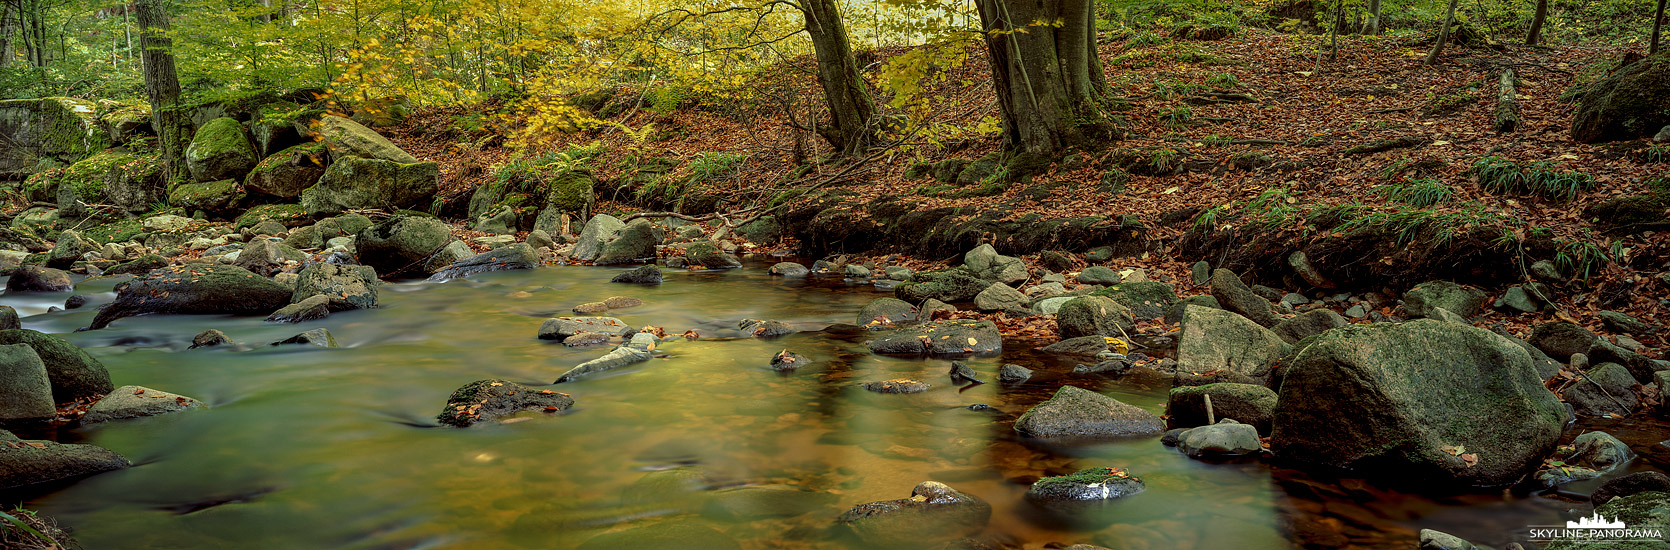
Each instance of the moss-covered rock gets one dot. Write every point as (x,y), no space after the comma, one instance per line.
(1246,403)
(952,285)
(82,183)
(74,374)
(399,245)
(1089,484)
(286,173)
(280,125)
(1146,299)
(282,213)
(933,513)
(572,191)
(347,138)
(220,150)
(24,463)
(126,121)
(56,128)
(195,289)
(219,198)
(1630,103)
(361,183)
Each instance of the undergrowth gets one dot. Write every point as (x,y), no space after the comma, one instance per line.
(1542,178)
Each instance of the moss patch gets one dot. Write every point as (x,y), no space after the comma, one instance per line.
(281,213)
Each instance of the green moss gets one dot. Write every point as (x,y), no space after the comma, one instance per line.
(116,232)
(1088,476)
(218,136)
(278,212)
(571,191)
(315,150)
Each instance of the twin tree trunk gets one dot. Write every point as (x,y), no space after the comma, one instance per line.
(162,86)
(851,111)
(1045,70)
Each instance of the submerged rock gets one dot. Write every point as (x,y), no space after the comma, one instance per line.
(934,512)
(898,385)
(787,361)
(1075,412)
(1591,455)
(1013,374)
(764,329)
(209,338)
(134,402)
(961,373)
(506,258)
(949,337)
(489,400)
(313,308)
(24,462)
(560,328)
(637,350)
(641,275)
(316,337)
(195,289)
(1089,484)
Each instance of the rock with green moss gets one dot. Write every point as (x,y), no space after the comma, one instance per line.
(1249,404)
(353,183)
(56,129)
(73,373)
(952,285)
(280,125)
(633,244)
(1459,299)
(86,183)
(707,255)
(571,191)
(1642,512)
(489,400)
(1437,403)
(1146,299)
(346,138)
(25,393)
(34,278)
(139,266)
(195,289)
(1631,214)
(220,150)
(286,173)
(127,121)
(282,213)
(24,463)
(1627,104)
(217,198)
(1214,340)
(1079,413)
(346,286)
(136,182)
(1089,484)
(71,248)
(948,337)
(1093,316)
(401,245)
(934,512)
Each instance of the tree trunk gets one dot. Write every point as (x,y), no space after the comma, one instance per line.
(162,86)
(1443,36)
(1537,19)
(1658,19)
(1048,78)
(850,108)
(6,34)
(1372,26)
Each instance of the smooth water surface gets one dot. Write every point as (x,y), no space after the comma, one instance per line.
(335,448)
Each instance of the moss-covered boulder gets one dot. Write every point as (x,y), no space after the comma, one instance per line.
(220,150)
(1642,512)
(1422,402)
(25,393)
(1246,403)
(123,122)
(635,243)
(399,246)
(135,182)
(286,173)
(1459,299)
(56,129)
(74,373)
(1632,102)
(24,463)
(280,125)
(1079,413)
(287,214)
(707,255)
(346,138)
(1087,485)
(217,198)
(128,180)
(952,285)
(1093,316)
(71,248)
(1146,299)
(1214,340)
(195,289)
(362,183)
(948,337)
(572,191)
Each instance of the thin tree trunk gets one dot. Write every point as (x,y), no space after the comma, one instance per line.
(1372,26)
(1658,20)
(1443,35)
(5,34)
(1048,79)
(850,107)
(162,86)
(1537,19)
(1333,37)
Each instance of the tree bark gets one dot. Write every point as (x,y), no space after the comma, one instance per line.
(6,34)
(1372,26)
(851,110)
(162,86)
(1537,19)
(1507,104)
(1443,36)
(1048,78)
(1658,20)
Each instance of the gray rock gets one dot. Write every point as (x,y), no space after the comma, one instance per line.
(9,319)
(33,462)
(1516,299)
(195,289)
(1115,365)
(1226,438)
(1592,455)
(1461,300)
(948,337)
(1438,540)
(897,273)
(1087,485)
(789,269)
(898,385)
(707,255)
(317,337)
(209,338)
(634,243)
(1356,311)
(1604,390)
(1093,316)
(1546,271)
(961,373)
(1639,366)
(404,246)
(596,233)
(1174,314)
(857,271)
(1444,315)
(1001,297)
(1620,322)
(886,311)
(1098,275)
(637,350)
(1310,323)
(70,249)
(1302,266)
(1075,412)
(352,183)
(560,328)
(934,512)
(74,373)
(34,278)
(787,361)
(1631,484)
(765,328)
(489,400)
(135,402)
(506,258)
(1410,374)
(1145,299)
(1087,346)
(1044,290)
(1200,273)
(500,222)
(539,239)
(1234,296)
(1269,294)
(987,264)
(641,275)
(1099,254)
(930,306)
(312,308)
(1218,340)
(25,390)
(1248,404)
(1051,306)
(344,286)
(1013,374)
(345,137)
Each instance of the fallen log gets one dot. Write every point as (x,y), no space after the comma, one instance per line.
(1385,145)
(1507,104)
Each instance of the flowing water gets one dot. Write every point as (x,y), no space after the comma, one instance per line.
(335,448)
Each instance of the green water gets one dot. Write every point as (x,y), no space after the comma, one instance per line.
(331,448)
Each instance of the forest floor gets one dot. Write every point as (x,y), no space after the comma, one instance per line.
(1306,115)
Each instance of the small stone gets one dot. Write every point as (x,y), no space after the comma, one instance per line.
(789,269)
(898,385)
(585,339)
(1200,273)
(857,271)
(1099,254)
(590,308)
(1356,311)
(961,373)
(1546,271)
(316,337)
(643,275)
(1013,374)
(1516,299)
(209,338)
(622,302)
(1098,275)
(764,329)
(313,308)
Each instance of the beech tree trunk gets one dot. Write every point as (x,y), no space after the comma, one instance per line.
(1443,36)
(162,86)
(1048,78)
(1372,25)
(1658,20)
(1537,19)
(851,110)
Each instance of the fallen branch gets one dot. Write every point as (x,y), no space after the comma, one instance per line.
(1507,104)
(1386,145)
(1213,98)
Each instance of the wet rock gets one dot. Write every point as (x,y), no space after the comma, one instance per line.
(622,302)
(1620,322)
(1075,412)
(636,350)
(930,306)
(1087,346)
(139,266)
(898,385)
(1409,374)
(1438,540)
(1639,482)
(75,302)
(663,536)
(988,265)
(317,337)
(490,400)
(1013,374)
(1093,316)
(1098,275)
(73,373)
(948,337)
(1604,390)
(264,257)
(1117,365)
(25,390)
(787,361)
(402,246)
(886,311)
(506,258)
(764,329)
(1217,340)
(1592,454)
(312,308)
(135,402)
(1145,299)
(1310,323)
(707,255)
(951,285)
(195,289)
(1650,508)
(1248,404)
(934,512)
(1639,366)
(1461,300)
(560,328)
(1560,339)
(856,271)
(9,319)
(961,373)
(24,462)
(345,287)
(1234,296)
(1224,439)
(585,339)
(209,338)
(641,275)
(789,269)
(1174,314)
(589,308)
(767,502)
(34,278)
(1089,484)
(634,243)
(1001,297)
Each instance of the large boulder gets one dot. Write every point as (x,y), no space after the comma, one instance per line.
(595,235)
(1226,438)
(34,278)
(1216,340)
(1146,299)
(1423,402)
(400,245)
(951,285)
(1628,104)
(220,150)
(352,183)
(633,244)
(287,173)
(1002,297)
(58,128)
(135,181)
(1310,323)
(74,373)
(1234,296)
(948,337)
(1560,339)
(195,289)
(346,138)
(988,265)
(24,463)
(1461,300)
(1249,404)
(25,391)
(1093,316)
(346,286)
(218,198)
(933,513)
(489,400)
(505,258)
(1605,390)
(1076,413)
(134,402)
